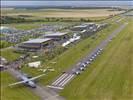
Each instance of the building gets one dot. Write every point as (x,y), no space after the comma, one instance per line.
(36,44)
(79,28)
(88,29)
(85,26)
(57,36)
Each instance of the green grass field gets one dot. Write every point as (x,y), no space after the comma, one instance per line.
(15,93)
(110,77)
(9,54)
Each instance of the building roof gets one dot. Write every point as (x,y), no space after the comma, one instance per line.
(80,26)
(55,34)
(38,40)
(84,25)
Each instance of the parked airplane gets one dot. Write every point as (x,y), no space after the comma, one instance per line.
(28,81)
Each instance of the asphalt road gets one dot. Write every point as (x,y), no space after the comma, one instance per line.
(65,78)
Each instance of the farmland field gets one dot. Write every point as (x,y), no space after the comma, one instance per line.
(110,76)
(72,13)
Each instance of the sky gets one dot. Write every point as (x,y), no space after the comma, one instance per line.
(66,3)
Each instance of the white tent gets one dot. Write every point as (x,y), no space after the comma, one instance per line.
(34,64)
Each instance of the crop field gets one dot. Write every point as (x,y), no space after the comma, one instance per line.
(72,13)
(110,76)
(16,93)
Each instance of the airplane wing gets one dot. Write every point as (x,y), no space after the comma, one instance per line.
(20,82)
(34,78)
(31,79)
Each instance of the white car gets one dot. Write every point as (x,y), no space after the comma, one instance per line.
(95,55)
(83,65)
(91,59)
(82,68)
(101,49)
(77,72)
(87,62)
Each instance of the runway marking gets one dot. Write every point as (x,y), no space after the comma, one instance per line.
(59,79)
(66,80)
(55,87)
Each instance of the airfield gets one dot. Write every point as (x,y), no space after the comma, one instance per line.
(107,77)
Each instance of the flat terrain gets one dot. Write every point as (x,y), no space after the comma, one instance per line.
(17,93)
(110,76)
(74,54)
(66,60)
(73,13)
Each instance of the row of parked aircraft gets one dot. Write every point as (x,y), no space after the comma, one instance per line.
(84,64)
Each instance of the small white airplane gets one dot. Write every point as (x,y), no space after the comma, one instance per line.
(27,81)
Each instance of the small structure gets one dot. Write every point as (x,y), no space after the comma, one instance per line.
(57,36)
(85,26)
(3,61)
(34,56)
(34,64)
(71,40)
(36,44)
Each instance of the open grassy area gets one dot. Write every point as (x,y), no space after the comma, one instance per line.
(26,26)
(110,77)
(16,93)
(73,55)
(9,54)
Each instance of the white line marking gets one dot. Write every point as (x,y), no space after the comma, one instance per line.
(59,79)
(58,82)
(55,87)
(65,80)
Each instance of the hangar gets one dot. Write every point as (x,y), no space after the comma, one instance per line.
(57,36)
(85,26)
(36,44)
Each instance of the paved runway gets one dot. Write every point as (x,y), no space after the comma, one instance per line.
(62,81)
(65,78)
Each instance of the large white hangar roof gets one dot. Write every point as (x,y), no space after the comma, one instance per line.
(38,40)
